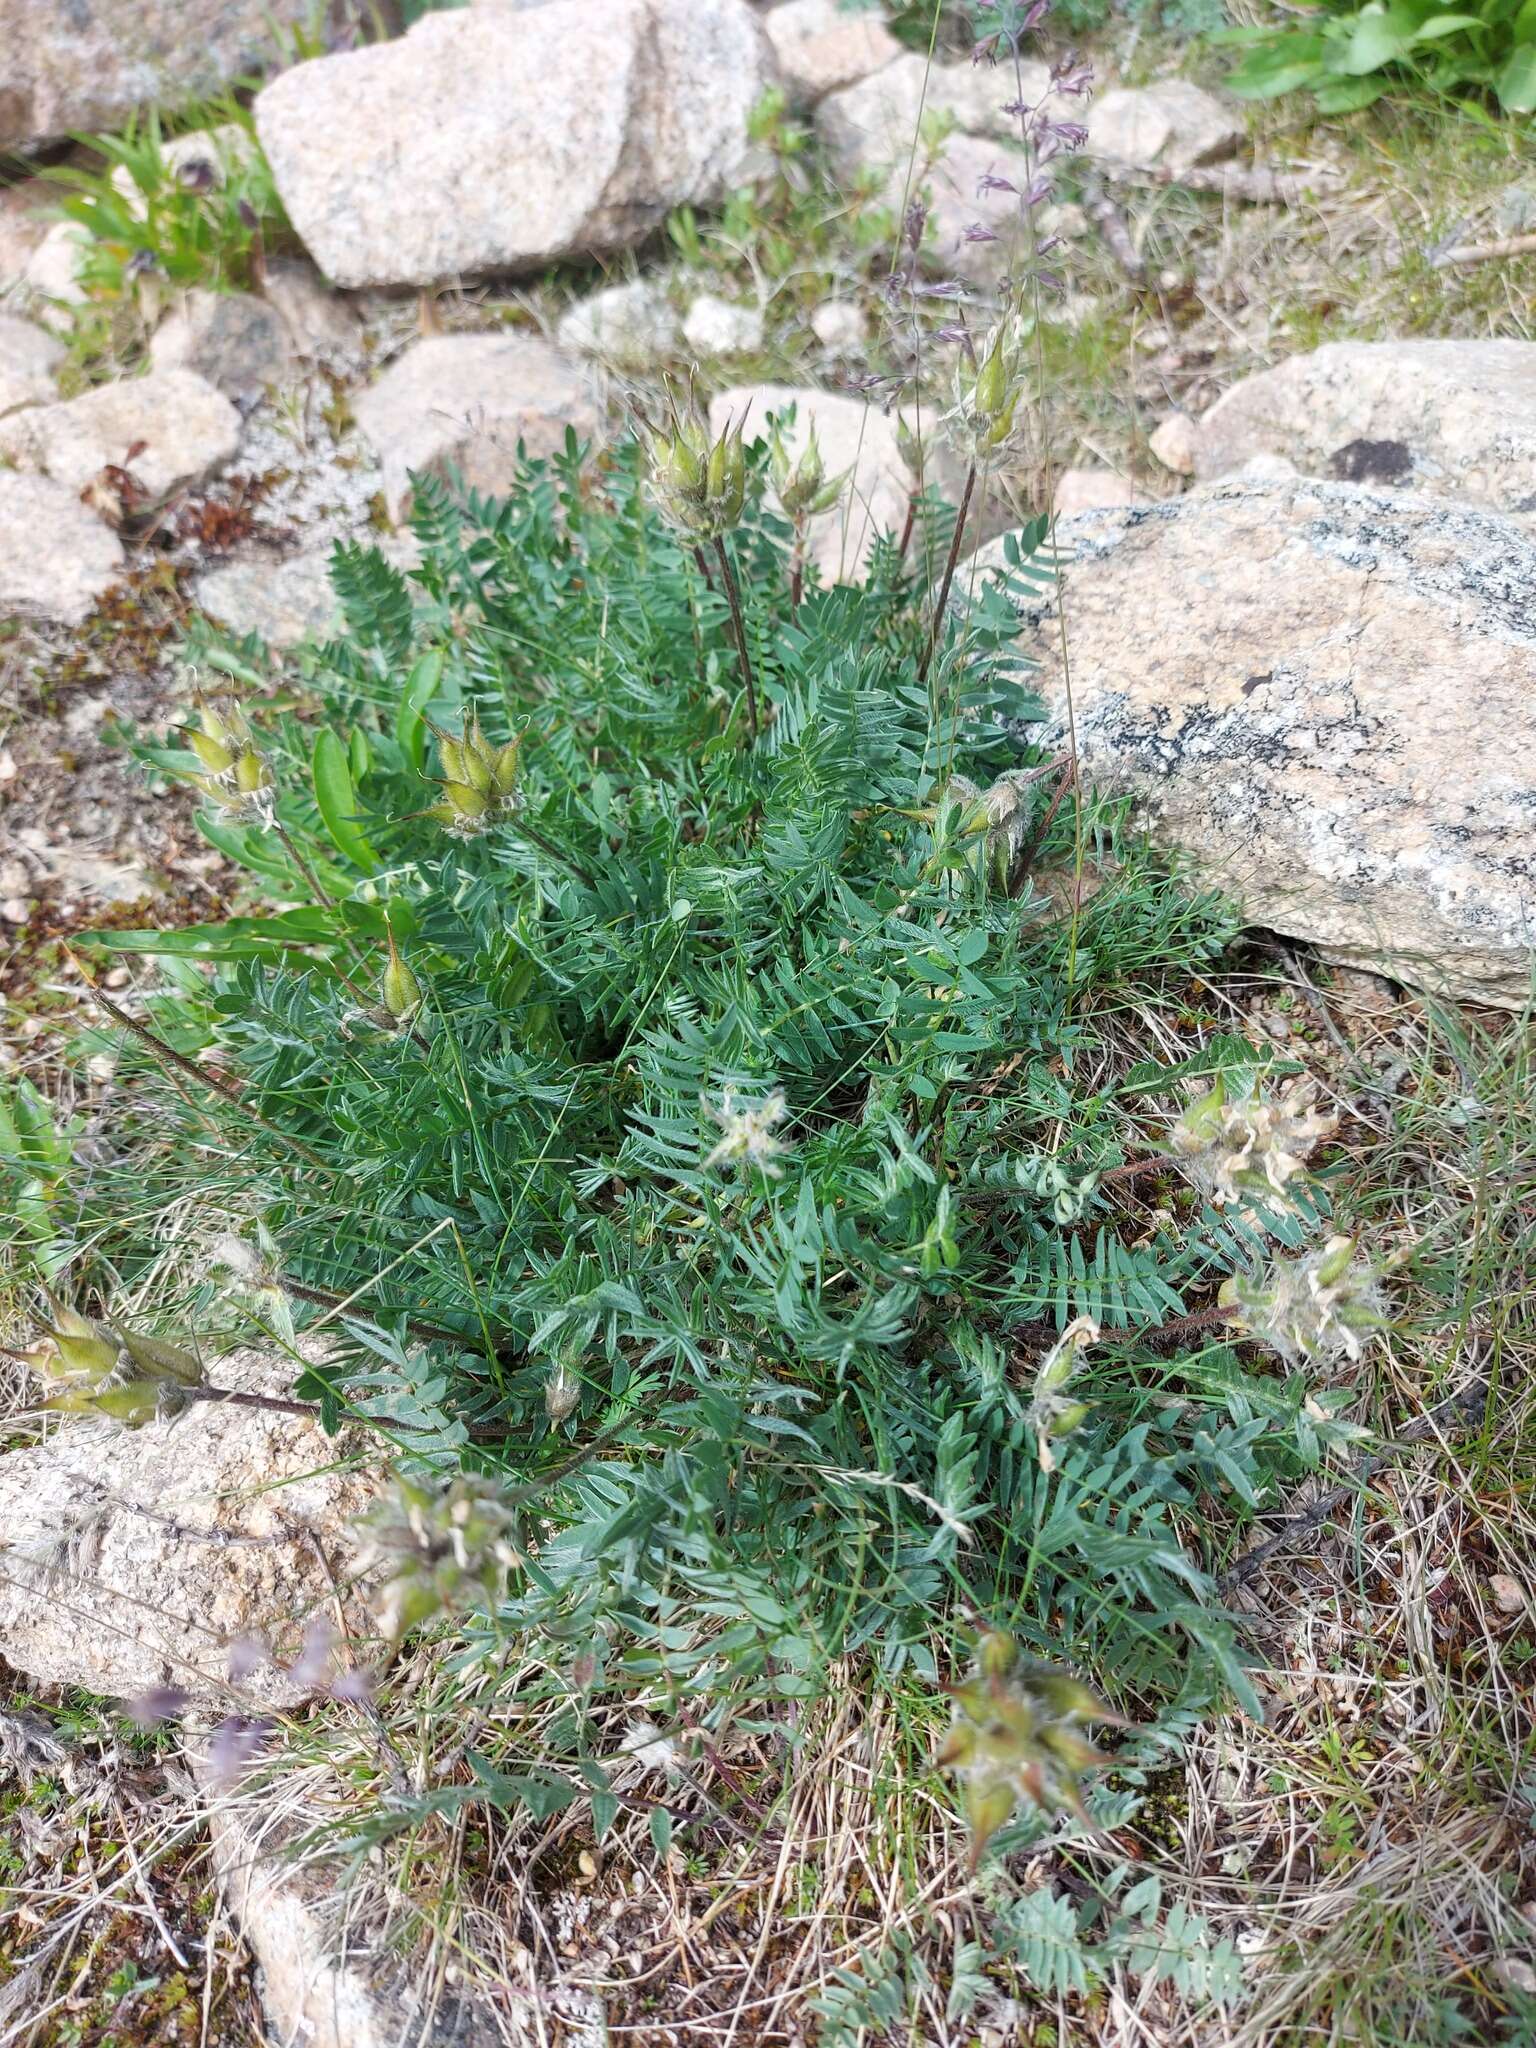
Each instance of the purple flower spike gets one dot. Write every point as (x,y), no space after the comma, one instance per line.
(355,1687)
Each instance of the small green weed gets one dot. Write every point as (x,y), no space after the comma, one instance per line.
(162,214)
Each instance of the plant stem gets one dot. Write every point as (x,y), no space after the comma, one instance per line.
(271,1404)
(199,1074)
(1134,1168)
(1176,1326)
(907,525)
(276,1404)
(739,624)
(321,1297)
(1037,837)
(949,575)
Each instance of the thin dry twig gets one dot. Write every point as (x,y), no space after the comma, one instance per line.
(1484,252)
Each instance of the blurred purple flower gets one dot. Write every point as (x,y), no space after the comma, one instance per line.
(235,1747)
(247,1655)
(353,1686)
(160,1703)
(313,1665)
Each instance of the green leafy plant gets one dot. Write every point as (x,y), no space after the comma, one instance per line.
(1348,56)
(162,213)
(661,1076)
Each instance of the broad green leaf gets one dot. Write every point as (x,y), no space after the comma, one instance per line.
(1346,95)
(1516,83)
(337,798)
(1266,74)
(1377,38)
(237,938)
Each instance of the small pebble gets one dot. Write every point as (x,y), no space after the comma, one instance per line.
(15,910)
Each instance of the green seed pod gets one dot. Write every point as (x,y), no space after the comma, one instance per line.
(479,761)
(213,754)
(1333,1263)
(988,1804)
(157,1360)
(251,773)
(996,1654)
(467,804)
(1069,1748)
(1014,1735)
(736,480)
(504,768)
(683,459)
(84,1358)
(803,486)
(1201,1121)
(225,722)
(1001,428)
(1069,1417)
(451,752)
(402,991)
(991,395)
(132,1406)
